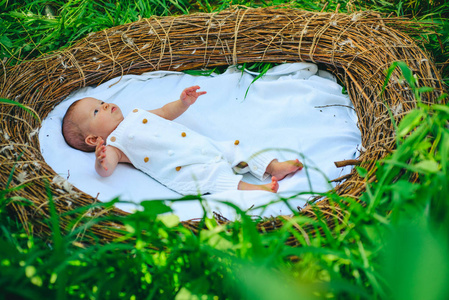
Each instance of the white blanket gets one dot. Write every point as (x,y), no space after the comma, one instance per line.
(296,115)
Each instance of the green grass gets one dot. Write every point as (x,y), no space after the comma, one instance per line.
(393,244)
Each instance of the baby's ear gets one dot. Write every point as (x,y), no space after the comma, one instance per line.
(91,140)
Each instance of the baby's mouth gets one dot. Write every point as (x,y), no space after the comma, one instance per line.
(113,109)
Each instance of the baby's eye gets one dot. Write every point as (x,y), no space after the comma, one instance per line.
(95,112)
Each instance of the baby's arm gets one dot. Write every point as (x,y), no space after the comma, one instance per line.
(172,110)
(107,158)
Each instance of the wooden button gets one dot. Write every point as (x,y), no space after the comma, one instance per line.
(146,159)
(113,139)
(183,134)
(135,110)
(236,142)
(144,121)
(178,168)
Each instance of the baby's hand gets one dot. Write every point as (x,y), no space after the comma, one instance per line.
(190,94)
(100,153)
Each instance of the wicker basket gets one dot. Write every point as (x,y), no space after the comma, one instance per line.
(358,48)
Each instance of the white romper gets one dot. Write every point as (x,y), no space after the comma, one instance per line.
(182,159)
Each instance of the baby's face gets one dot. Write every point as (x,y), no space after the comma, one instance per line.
(97,117)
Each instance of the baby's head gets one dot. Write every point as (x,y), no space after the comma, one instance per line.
(88,119)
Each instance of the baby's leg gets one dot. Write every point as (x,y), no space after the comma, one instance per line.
(273,186)
(282,169)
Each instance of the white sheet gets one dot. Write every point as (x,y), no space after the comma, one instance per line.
(291,111)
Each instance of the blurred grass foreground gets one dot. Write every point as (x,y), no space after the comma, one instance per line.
(394,244)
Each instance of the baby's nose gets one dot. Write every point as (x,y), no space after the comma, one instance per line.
(105,105)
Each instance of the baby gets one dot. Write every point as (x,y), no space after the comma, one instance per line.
(172,154)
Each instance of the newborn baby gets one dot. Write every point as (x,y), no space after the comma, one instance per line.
(177,157)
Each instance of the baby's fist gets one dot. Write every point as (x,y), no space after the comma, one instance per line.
(100,153)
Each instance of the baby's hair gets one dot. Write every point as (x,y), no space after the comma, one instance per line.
(73,135)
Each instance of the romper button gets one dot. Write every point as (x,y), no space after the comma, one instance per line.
(183,134)
(146,159)
(144,121)
(178,168)
(171,152)
(236,142)
(135,110)
(113,139)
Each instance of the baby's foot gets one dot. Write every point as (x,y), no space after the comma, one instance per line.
(282,169)
(273,186)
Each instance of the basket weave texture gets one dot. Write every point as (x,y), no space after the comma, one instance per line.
(358,48)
